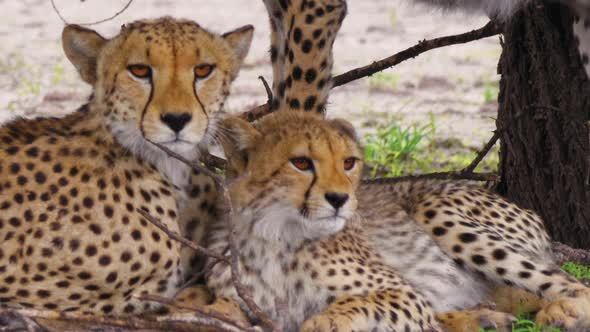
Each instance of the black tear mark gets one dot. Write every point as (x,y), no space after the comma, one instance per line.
(304,208)
(201,104)
(146,106)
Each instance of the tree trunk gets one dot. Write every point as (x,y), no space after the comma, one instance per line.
(543,121)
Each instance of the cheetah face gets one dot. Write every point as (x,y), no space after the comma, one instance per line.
(296,173)
(162,81)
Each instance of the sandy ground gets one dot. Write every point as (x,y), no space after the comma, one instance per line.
(452,83)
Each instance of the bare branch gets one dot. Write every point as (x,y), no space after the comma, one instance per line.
(91,23)
(235,275)
(267,88)
(192,164)
(177,237)
(490,29)
(199,320)
(256,113)
(481,154)
(216,318)
(128,322)
(492,177)
(175,322)
(244,292)
(565,253)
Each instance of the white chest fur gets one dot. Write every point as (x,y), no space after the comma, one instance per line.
(406,247)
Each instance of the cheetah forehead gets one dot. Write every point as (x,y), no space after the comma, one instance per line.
(167,41)
(288,129)
(163,31)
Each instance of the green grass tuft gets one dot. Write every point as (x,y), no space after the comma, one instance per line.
(396,150)
(490,93)
(393,146)
(525,323)
(577,270)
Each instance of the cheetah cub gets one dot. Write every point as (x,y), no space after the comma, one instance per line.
(415,256)
(304,253)
(70,189)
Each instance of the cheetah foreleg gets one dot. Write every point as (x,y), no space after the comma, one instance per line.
(379,311)
(475,320)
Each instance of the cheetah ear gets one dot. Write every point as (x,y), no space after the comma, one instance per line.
(345,128)
(238,138)
(240,40)
(82,47)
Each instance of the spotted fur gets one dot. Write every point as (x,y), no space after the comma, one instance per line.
(480,235)
(70,189)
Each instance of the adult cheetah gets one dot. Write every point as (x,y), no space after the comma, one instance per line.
(422,248)
(72,237)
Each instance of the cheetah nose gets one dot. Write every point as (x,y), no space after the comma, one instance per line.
(176,121)
(336,199)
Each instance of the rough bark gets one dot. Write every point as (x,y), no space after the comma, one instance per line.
(543,121)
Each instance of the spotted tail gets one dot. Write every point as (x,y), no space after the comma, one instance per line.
(302,35)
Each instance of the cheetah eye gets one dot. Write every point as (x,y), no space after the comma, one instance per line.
(349,163)
(302,163)
(202,71)
(140,71)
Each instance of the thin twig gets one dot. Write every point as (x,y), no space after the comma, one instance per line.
(492,177)
(192,164)
(481,154)
(200,321)
(267,88)
(256,113)
(242,291)
(32,325)
(261,110)
(177,237)
(565,253)
(129,322)
(220,320)
(91,23)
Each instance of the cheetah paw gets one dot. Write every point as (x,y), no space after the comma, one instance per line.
(474,320)
(327,323)
(197,295)
(572,313)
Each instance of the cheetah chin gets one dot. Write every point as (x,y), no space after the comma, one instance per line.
(129,136)
(276,223)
